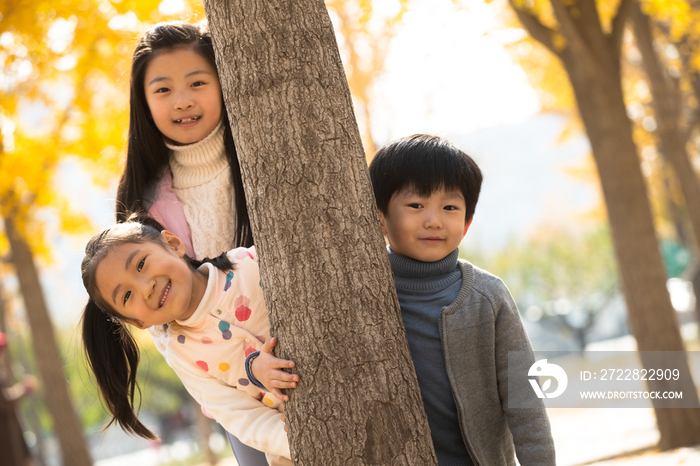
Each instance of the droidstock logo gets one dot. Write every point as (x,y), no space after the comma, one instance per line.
(542,369)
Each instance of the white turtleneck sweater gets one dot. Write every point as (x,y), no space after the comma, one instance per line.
(202,183)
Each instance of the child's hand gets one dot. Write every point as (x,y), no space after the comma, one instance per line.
(267,369)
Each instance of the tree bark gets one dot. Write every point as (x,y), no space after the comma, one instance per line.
(74,451)
(592,62)
(325,271)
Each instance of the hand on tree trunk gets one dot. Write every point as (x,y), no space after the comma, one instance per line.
(267,369)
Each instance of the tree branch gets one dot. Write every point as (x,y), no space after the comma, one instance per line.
(618,25)
(570,30)
(537,30)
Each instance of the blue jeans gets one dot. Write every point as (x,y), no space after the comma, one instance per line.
(245,455)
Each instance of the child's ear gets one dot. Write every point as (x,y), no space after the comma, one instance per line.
(136,323)
(466,227)
(383,222)
(174,242)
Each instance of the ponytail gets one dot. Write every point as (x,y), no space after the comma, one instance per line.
(113,356)
(221,262)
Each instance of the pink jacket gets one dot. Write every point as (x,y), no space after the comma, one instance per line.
(167,210)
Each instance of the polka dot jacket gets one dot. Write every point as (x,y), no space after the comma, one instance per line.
(229,324)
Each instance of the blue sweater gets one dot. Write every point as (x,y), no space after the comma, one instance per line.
(423,289)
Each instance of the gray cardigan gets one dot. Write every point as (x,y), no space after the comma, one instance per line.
(478,330)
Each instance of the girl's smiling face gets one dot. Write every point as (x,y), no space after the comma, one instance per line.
(149,283)
(183,94)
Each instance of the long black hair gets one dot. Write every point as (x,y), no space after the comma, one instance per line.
(427,164)
(110,349)
(146,154)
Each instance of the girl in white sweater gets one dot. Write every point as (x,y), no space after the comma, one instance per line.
(181,165)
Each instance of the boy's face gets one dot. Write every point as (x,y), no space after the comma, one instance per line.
(425,228)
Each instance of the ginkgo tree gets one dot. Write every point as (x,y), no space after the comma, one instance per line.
(586,37)
(674,114)
(62,94)
(661,86)
(668,39)
(677,118)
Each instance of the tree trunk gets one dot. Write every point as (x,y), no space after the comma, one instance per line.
(673,135)
(74,451)
(7,357)
(32,418)
(591,59)
(325,272)
(677,218)
(652,318)
(671,132)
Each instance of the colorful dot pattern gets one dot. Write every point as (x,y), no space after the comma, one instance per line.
(229,277)
(242,310)
(249,350)
(236,326)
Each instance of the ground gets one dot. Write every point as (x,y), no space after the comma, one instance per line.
(642,457)
(606,437)
(613,437)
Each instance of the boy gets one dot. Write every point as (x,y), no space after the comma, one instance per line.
(460,321)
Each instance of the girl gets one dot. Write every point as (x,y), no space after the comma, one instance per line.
(181,165)
(212,322)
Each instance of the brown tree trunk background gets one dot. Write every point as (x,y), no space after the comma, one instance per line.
(7,357)
(591,59)
(671,133)
(326,275)
(74,451)
(652,318)
(32,418)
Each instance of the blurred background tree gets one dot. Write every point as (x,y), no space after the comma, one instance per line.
(559,276)
(587,37)
(657,79)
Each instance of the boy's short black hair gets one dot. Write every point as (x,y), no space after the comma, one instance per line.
(427,164)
